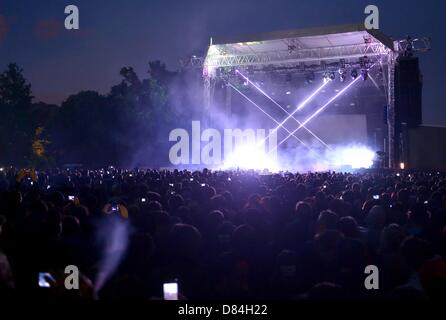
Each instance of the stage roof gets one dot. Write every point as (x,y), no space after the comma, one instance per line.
(308,38)
(346,42)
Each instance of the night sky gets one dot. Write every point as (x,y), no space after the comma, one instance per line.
(120,33)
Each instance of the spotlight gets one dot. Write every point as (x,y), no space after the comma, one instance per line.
(408,52)
(364,74)
(329,76)
(354,74)
(326,77)
(342,75)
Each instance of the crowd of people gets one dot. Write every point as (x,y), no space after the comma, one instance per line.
(222,234)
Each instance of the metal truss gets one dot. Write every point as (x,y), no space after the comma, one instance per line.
(284,57)
(418,44)
(297,54)
(391,108)
(293,68)
(208,89)
(192,62)
(299,59)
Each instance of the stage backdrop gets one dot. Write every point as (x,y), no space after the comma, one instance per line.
(333,129)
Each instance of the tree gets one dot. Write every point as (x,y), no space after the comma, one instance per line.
(143,112)
(129,125)
(16,127)
(42,115)
(81,130)
(14,90)
(158,71)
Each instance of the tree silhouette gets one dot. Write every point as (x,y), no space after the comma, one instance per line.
(16,126)
(127,126)
(14,90)
(81,128)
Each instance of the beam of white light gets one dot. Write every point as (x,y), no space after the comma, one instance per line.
(268,115)
(374,82)
(299,108)
(318,111)
(325,105)
(289,115)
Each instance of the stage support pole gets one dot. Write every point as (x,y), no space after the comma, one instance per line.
(391,109)
(228,102)
(206,100)
(404,144)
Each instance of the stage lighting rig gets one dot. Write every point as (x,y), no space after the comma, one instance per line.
(325,76)
(364,74)
(342,75)
(364,62)
(367,39)
(408,52)
(329,76)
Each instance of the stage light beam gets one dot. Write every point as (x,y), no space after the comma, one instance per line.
(283,109)
(299,107)
(318,111)
(321,109)
(268,115)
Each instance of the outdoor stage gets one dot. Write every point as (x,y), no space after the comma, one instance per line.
(319,90)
